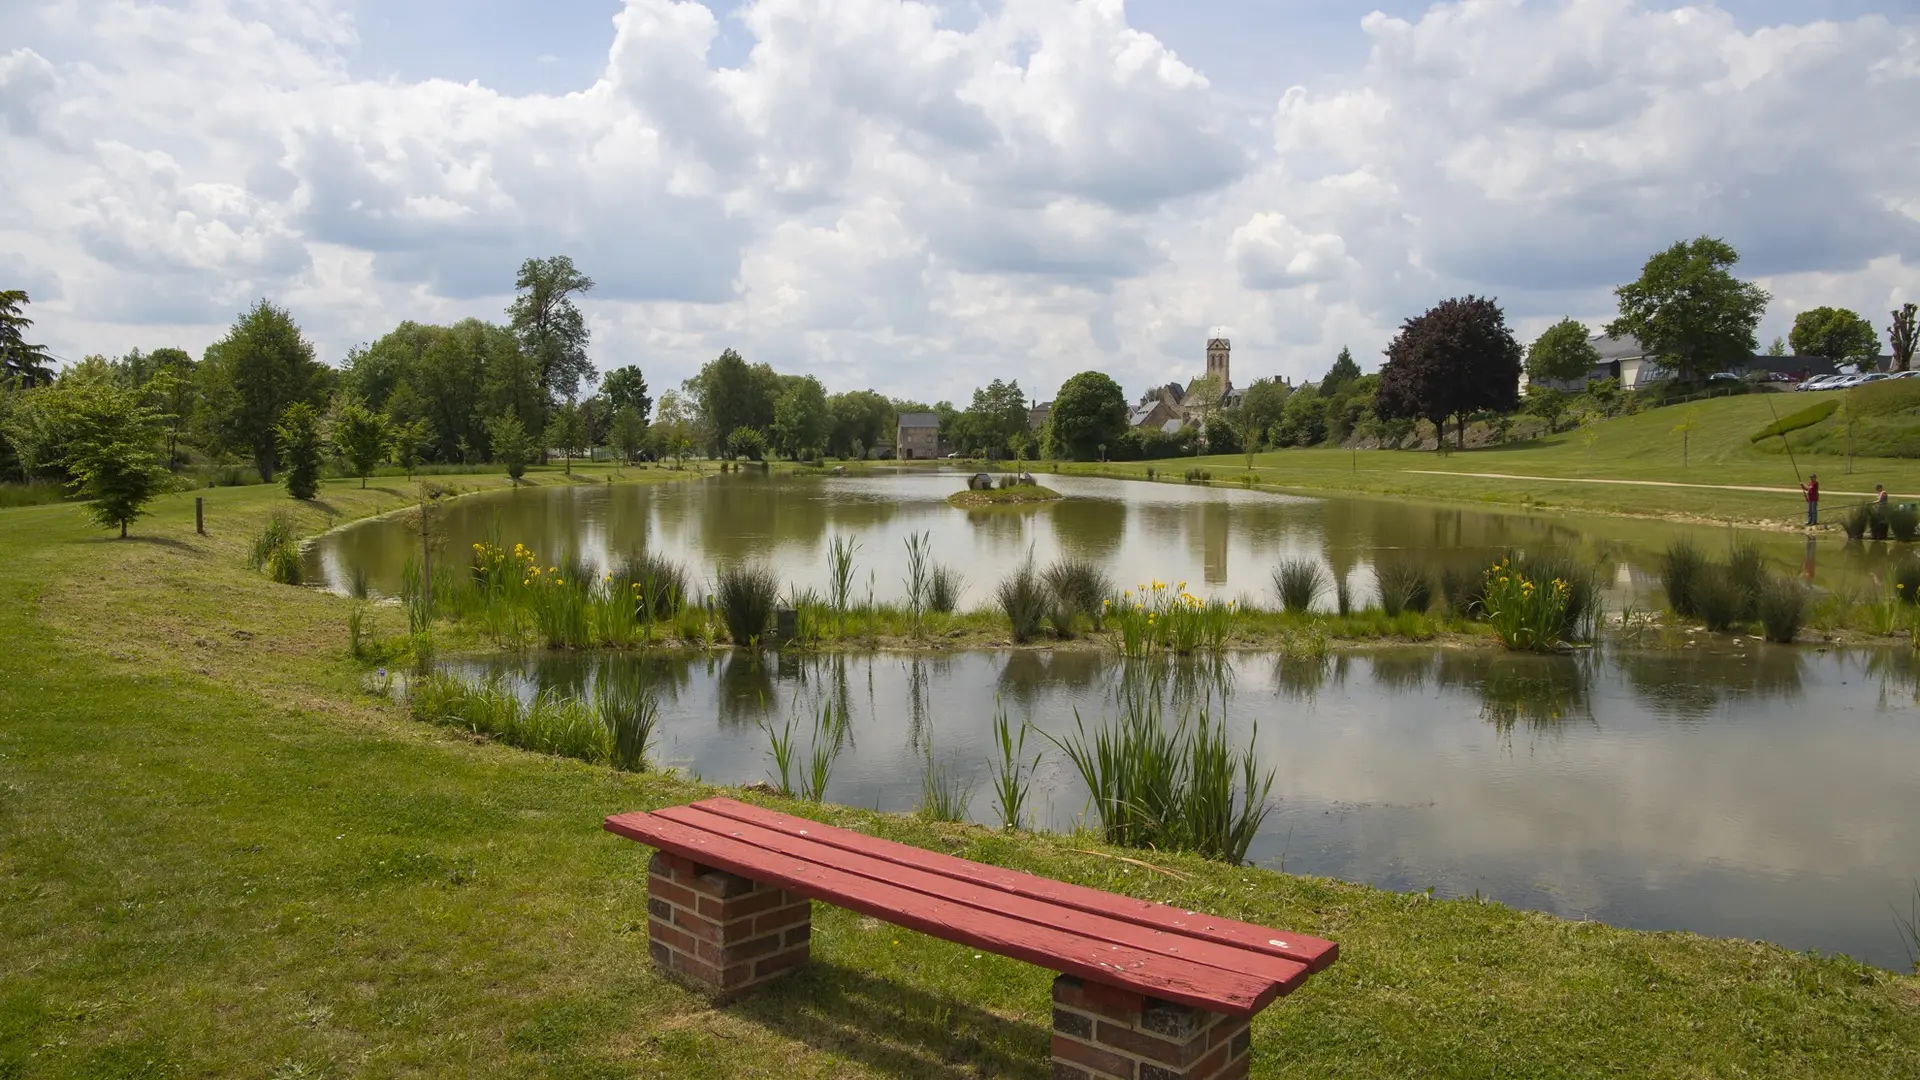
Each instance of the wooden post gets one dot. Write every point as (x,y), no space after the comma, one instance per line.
(200,515)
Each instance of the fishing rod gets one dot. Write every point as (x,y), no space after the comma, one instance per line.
(1783,439)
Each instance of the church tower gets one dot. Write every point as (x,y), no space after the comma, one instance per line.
(1218,349)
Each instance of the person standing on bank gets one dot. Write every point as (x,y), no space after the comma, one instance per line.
(1812,488)
(1880,498)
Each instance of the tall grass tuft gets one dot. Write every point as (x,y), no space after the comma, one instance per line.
(1681,566)
(1581,613)
(1080,586)
(1782,606)
(1342,596)
(1856,520)
(277,551)
(1174,787)
(1747,571)
(657,584)
(1299,583)
(919,574)
(1719,601)
(1012,774)
(1404,586)
(1023,598)
(1526,614)
(631,713)
(944,794)
(1465,589)
(943,589)
(840,576)
(746,596)
(551,723)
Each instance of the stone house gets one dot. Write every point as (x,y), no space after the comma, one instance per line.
(916,436)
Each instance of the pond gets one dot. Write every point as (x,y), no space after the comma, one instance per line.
(1748,791)
(1220,540)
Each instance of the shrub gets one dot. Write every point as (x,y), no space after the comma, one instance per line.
(1299,583)
(1023,597)
(943,589)
(1680,567)
(1794,421)
(1747,571)
(1718,600)
(1080,586)
(1876,523)
(1404,586)
(746,596)
(1855,521)
(1464,589)
(1905,523)
(1782,604)
(1905,576)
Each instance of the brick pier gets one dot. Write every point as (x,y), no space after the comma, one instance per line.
(1104,1033)
(722,932)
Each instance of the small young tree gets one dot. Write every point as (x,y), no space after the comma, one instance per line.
(114,459)
(511,446)
(297,438)
(567,433)
(629,432)
(409,442)
(360,437)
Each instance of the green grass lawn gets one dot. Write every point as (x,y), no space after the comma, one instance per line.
(221,856)
(1641,447)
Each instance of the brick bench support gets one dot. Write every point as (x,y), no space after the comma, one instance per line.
(1102,1032)
(722,932)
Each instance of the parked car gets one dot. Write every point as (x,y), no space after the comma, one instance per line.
(1723,376)
(1913,374)
(1875,376)
(1820,382)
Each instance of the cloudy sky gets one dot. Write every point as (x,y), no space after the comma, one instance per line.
(919,197)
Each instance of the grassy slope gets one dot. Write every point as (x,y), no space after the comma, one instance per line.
(1639,447)
(219,857)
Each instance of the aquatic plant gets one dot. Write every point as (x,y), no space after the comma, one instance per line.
(1023,598)
(657,584)
(1719,602)
(1080,585)
(1680,567)
(276,551)
(1525,615)
(1342,595)
(1876,523)
(1012,773)
(1404,586)
(1299,582)
(551,723)
(745,598)
(1782,606)
(1582,582)
(1747,572)
(919,573)
(1855,520)
(1905,576)
(1463,588)
(1157,615)
(944,794)
(840,576)
(943,589)
(630,711)
(1905,523)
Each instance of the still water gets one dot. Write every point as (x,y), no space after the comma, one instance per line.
(1747,791)
(1222,541)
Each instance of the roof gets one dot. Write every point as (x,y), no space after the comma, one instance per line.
(918,419)
(1139,413)
(1172,427)
(1625,347)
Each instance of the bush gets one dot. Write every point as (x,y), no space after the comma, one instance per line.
(1718,600)
(1747,571)
(1794,421)
(1782,604)
(1680,567)
(1023,597)
(1299,583)
(745,596)
(1404,586)
(1905,523)
(1877,523)
(1464,589)
(1079,586)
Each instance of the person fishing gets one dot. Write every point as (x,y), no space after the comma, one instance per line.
(1812,488)
(1880,499)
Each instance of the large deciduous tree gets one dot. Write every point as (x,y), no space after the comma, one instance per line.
(1900,337)
(860,421)
(1089,412)
(1564,353)
(628,432)
(1688,309)
(1835,333)
(730,393)
(626,388)
(21,364)
(549,324)
(997,414)
(800,417)
(1456,359)
(250,376)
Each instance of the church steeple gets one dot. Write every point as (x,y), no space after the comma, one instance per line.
(1219,350)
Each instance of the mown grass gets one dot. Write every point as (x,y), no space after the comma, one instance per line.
(220,856)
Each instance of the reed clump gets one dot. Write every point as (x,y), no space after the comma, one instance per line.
(1681,565)
(943,589)
(1782,603)
(1081,586)
(1024,599)
(1404,586)
(277,551)
(1299,582)
(745,597)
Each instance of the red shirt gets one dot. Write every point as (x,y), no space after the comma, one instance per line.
(1813,491)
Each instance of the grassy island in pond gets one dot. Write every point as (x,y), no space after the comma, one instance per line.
(1015,495)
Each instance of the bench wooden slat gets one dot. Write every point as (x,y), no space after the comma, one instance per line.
(1287,974)
(1314,952)
(1166,977)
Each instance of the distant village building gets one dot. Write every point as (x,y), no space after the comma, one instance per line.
(1037,416)
(917,435)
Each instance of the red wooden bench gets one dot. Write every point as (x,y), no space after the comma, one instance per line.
(1145,991)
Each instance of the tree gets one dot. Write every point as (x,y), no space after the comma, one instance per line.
(1900,337)
(860,419)
(550,327)
(629,432)
(800,418)
(1690,311)
(21,364)
(301,446)
(410,442)
(1457,358)
(1248,431)
(511,444)
(1089,411)
(360,437)
(730,393)
(1303,420)
(1548,404)
(114,460)
(1835,333)
(671,432)
(1562,354)
(567,433)
(1203,396)
(1777,347)
(251,375)
(626,388)
(746,442)
(1343,372)
(1262,404)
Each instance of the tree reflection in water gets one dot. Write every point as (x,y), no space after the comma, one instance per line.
(1697,683)
(1542,693)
